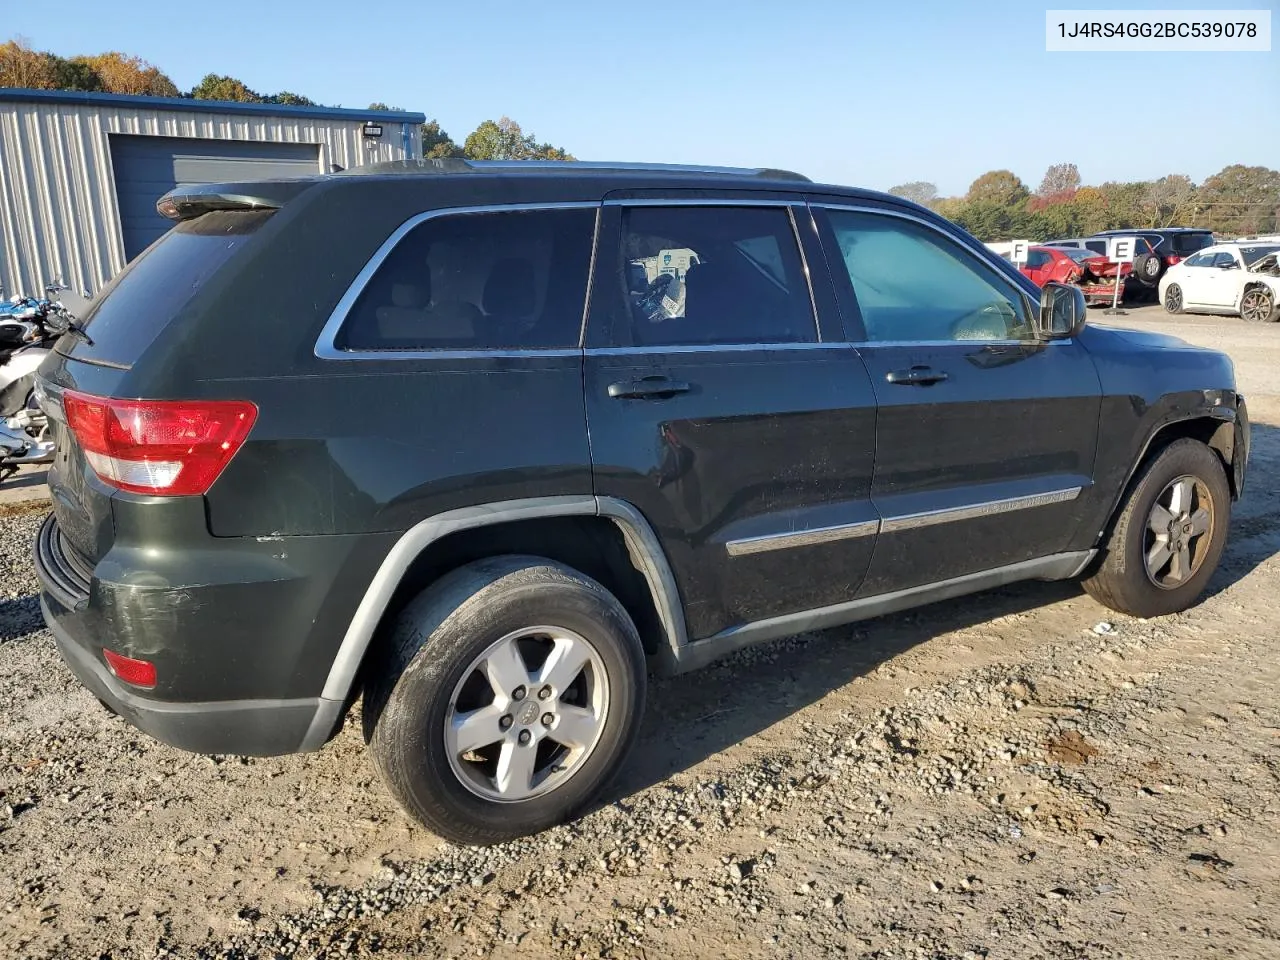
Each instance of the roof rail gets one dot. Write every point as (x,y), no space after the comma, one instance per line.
(454,165)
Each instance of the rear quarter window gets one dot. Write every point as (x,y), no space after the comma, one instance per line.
(513,279)
(141,301)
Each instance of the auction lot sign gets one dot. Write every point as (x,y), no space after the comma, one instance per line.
(1136,31)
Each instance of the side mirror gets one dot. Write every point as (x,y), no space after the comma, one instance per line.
(1062,311)
(1227,266)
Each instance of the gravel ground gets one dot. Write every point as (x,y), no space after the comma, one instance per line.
(1019,774)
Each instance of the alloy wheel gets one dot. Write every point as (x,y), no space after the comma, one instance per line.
(1255,307)
(1173,298)
(1179,531)
(526,714)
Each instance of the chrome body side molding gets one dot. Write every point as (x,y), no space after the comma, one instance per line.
(909,521)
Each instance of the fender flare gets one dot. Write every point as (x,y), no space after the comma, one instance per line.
(642,543)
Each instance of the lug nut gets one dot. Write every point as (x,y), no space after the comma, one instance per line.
(518,693)
(525,737)
(548,719)
(506,721)
(544,693)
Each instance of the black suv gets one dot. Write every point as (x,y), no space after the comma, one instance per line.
(482,442)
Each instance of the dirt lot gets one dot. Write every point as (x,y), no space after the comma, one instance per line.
(1015,775)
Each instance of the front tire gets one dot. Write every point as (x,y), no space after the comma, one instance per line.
(508,695)
(1258,305)
(1173,298)
(1169,537)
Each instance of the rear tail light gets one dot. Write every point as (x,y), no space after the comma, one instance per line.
(1171,259)
(139,673)
(167,447)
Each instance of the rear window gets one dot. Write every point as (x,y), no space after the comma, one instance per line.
(139,303)
(1185,243)
(1078,255)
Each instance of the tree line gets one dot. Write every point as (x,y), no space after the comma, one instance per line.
(1238,200)
(115,72)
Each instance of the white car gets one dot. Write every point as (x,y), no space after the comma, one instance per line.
(1240,279)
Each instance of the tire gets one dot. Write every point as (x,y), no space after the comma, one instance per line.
(1173,299)
(1122,580)
(1258,305)
(435,667)
(1147,268)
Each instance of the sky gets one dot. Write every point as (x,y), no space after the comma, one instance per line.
(868,94)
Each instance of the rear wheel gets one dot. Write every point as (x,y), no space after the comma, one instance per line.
(1173,298)
(1169,537)
(1258,305)
(509,694)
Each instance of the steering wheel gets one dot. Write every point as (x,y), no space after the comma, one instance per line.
(649,303)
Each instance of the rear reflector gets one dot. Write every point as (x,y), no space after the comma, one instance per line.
(139,673)
(166,447)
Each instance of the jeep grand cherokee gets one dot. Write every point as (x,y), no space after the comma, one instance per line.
(482,442)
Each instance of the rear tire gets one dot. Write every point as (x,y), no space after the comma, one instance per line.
(574,662)
(1170,534)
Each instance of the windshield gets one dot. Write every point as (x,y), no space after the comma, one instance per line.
(1252,255)
(1077,254)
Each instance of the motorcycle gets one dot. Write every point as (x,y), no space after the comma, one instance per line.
(28,330)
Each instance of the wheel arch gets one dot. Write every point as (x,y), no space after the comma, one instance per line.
(1222,436)
(597,535)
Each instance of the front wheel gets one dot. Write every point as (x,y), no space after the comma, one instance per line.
(1258,305)
(1173,298)
(509,694)
(1169,537)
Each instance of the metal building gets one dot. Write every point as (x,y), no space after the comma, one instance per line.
(80,173)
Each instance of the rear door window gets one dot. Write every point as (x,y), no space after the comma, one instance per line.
(142,300)
(505,280)
(714,275)
(1185,243)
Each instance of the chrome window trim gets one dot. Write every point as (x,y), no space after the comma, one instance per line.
(981,256)
(797,201)
(988,508)
(715,348)
(745,546)
(790,206)
(326,344)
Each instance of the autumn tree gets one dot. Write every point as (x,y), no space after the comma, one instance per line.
(436,144)
(1060,181)
(20,66)
(217,87)
(504,140)
(1240,199)
(1000,187)
(121,73)
(287,99)
(917,191)
(1169,201)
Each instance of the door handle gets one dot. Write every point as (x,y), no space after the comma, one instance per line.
(647,388)
(918,376)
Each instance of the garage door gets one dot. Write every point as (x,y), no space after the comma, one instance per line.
(146,168)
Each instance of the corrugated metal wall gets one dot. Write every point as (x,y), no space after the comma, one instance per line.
(58,213)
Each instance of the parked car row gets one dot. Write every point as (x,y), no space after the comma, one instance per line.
(1156,250)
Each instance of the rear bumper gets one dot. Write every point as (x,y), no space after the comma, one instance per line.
(241,727)
(235,641)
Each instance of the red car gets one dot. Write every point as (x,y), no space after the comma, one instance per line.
(1091,271)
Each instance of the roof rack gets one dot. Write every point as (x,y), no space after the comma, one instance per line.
(453,165)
